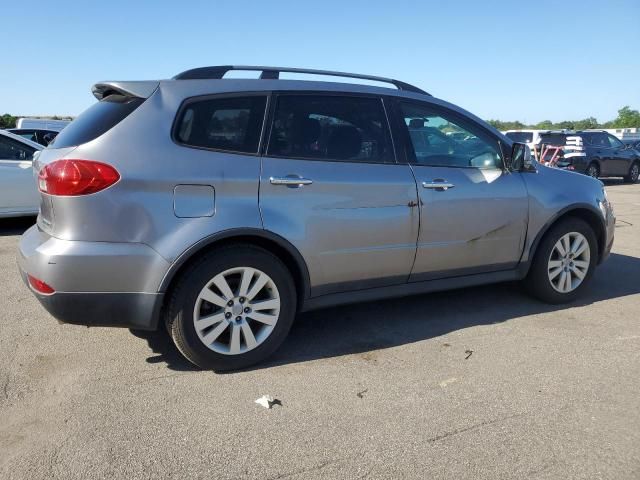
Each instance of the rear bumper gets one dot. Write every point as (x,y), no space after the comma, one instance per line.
(95,283)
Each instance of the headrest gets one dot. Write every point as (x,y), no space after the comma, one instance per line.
(344,142)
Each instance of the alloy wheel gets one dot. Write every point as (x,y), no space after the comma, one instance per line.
(592,171)
(237,310)
(569,262)
(635,172)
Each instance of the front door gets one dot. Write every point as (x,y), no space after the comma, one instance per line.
(18,190)
(473,213)
(331,186)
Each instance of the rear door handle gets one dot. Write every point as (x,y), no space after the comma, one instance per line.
(438,184)
(290,181)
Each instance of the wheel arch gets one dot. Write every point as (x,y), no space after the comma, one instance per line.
(585,212)
(275,244)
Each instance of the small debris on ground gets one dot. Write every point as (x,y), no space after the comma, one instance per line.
(469,353)
(361,394)
(446,344)
(267,401)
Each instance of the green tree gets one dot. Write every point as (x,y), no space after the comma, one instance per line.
(627,118)
(7,121)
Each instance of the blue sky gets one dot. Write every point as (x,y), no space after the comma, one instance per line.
(530,60)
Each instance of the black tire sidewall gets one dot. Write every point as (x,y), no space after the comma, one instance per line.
(193,281)
(629,178)
(538,279)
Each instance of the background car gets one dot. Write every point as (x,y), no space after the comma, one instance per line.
(39,135)
(19,194)
(594,153)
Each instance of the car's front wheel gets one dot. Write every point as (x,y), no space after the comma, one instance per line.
(232,308)
(564,262)
(593,170)
(634,173)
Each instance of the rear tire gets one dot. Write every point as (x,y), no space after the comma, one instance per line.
(547,278)
(634,173)
(593,170)
(232,308)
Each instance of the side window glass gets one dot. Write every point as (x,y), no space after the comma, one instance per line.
(614,142)
(229,124)
(12,150)
(341,128)
(443,142)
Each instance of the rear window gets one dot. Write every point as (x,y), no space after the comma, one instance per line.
(553,139)
(520,137)
(96,120)
(230,124)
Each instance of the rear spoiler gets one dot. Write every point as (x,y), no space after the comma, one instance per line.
(139,89)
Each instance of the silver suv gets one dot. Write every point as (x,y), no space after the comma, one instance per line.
(219,208)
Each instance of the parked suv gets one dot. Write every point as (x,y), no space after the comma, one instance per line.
(219,208)
(593,152)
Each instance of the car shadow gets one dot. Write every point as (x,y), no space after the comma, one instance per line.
(366,327)
(15,226)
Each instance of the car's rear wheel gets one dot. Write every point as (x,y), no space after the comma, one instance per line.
(232,309)
(634,173)
(564,262)
(593,170)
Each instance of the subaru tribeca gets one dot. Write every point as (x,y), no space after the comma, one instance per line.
(218,208)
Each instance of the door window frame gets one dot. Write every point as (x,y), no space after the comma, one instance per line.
(19,144)
(271,111)
(405,145)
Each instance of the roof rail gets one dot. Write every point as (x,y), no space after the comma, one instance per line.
(273,73)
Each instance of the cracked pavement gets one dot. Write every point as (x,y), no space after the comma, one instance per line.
(382,390)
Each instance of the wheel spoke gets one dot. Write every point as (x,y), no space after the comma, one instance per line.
(206,322)
(247,276)
(260,282)
(577,243)
(221,282)
(211,297)
(563,277)
(581,264)
(266,304)
(578,273)
(567,281)
(213,335)
(234,345)
(553,274)
(263,318)
(566,245)
(583,246)
(249,339)
(554,264)
(560,248)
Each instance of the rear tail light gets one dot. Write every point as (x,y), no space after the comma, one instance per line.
(39,286)
(76,177)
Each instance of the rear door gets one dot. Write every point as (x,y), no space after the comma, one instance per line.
(18,192)
(330,185)
(473,214)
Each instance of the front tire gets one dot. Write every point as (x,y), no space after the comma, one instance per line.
(231,309)
(564,262)
(634,173)
(593,170)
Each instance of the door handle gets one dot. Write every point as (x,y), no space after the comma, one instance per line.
(438,184)
(290,181)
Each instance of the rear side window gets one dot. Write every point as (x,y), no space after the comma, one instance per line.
(319,127)
(553,139)
(520,137)
(96,120)
(231,124)
(12,150)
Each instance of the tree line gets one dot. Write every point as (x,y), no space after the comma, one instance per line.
(627,118)
(9,121)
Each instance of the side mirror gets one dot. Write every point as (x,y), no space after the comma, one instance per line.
(521,158)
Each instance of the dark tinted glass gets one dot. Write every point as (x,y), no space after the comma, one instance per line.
(231,124)
(520,137)
(553,139)
(343,128)
(96,120)
(12,150)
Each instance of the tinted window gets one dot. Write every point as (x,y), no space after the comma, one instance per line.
(520,137)
(232,124)
(441,141)
(12,150)
(96,120)
(553,139)
(343,128)
(614,142)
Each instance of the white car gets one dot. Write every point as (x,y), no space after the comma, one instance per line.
(19,194)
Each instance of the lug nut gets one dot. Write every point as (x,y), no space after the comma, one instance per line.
(241,299)
(230,303)
(227,315)
(238,318)
(247,310)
